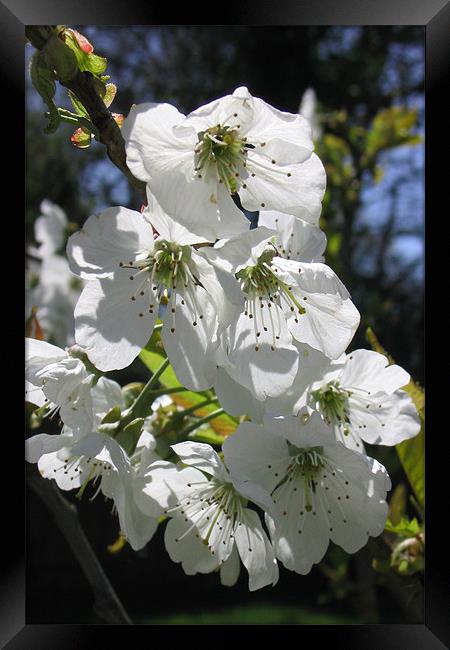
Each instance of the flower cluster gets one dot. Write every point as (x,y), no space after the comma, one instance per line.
(255,318)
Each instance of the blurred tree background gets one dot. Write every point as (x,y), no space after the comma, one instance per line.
(369,84)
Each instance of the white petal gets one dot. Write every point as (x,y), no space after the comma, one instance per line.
(106,239)
(230,569)
(330,319)
(104,448)
(297,239)
(221,286)
(105,395)
(190,347)
(362,484)
(238,252)
(54,466)
(271,188)
(137,527)
(34,394)
(265,365)
(286,136)
(384,420)
(203,457)
(190,550)
(166,227)
(307,429)
(300,538)
(257,454)
(163,486)
(229,110)
(235,398)
(151,144)
(370,371)
(108,323)
(205,208)
(256,552)
(38,355)
(312,364)
(43,443)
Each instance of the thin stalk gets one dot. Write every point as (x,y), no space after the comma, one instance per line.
(197,406)
(198,423)
(167,391)
(145,394)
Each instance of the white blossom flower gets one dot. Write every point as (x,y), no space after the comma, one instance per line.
(211,525)
(131,274)
(64,380)
(49,230)
(235,144)
(75,459)
(360,397)
(322,491)
(308,108)
(55,294)
(96,457)
(284,299)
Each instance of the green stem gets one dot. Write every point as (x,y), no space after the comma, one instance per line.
(168,391)
(145,394)
(198,423)
(197,406)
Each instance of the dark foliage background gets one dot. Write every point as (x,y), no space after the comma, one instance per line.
(374,222)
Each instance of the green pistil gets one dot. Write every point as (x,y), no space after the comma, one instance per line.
(221,146)
(168,262)
(258,280)
(228,501)
(332,403)
(308,463)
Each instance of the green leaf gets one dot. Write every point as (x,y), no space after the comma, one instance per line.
(86,62)
(152,360)
(78,106)
(412,456)
(411,452)
(60,58)
(110,93)
(334,244)
(404,528)
(397,504)
(44,82)
(207,435)
(390,128)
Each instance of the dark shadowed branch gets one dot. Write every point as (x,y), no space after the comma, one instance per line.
(107,605)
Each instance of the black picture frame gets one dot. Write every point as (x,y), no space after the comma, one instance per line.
(434,15)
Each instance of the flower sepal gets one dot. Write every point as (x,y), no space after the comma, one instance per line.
(130,434)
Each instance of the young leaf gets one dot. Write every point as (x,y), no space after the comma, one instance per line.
(404,528)
(411,452)
(43,80)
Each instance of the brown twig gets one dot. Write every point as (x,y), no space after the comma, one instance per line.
(83,86)
(107,604)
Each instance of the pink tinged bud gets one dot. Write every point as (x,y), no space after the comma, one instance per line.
(81,138)
(82,41)
(118,118)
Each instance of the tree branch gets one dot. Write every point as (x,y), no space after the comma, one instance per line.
(82,85)
(107,604)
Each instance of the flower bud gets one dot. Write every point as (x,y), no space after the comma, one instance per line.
(129,436)
(82,41)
